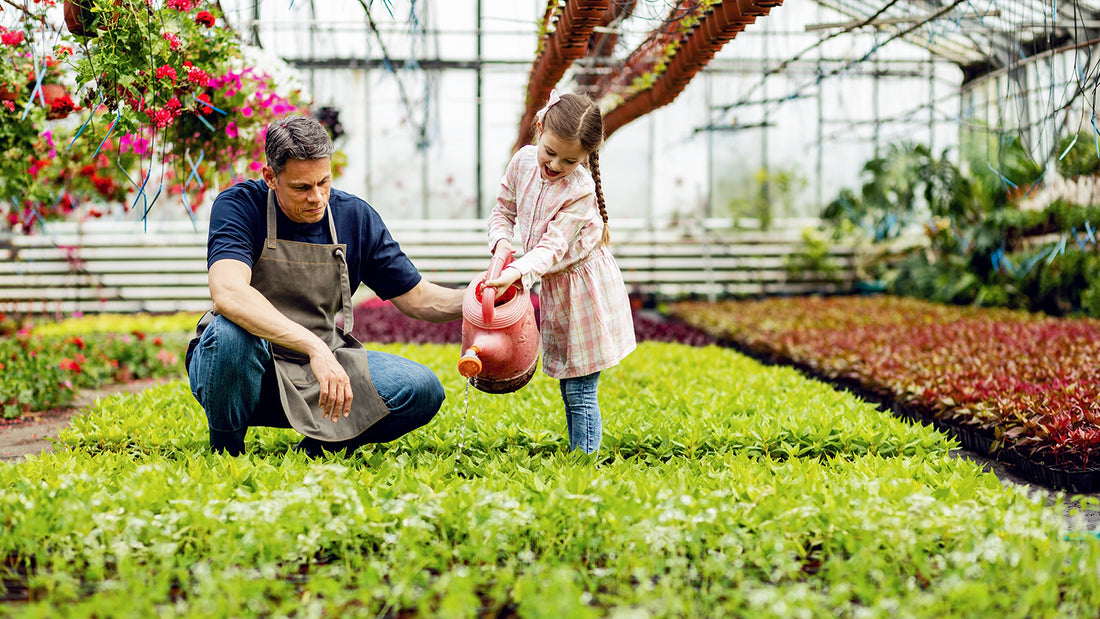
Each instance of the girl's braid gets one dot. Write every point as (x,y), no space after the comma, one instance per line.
(594,168)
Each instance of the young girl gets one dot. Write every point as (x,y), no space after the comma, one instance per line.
(556,207)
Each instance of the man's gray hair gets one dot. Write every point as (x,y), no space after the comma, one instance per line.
(296,137)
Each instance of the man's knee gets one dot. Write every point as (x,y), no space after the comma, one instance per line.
(233,348)
(426,392)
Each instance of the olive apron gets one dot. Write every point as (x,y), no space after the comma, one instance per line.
(308,283)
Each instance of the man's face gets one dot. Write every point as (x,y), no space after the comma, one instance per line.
(302,188)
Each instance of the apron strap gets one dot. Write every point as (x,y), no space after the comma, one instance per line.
(345,280)
(272,235)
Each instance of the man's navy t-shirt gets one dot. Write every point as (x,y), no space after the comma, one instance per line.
(238,226)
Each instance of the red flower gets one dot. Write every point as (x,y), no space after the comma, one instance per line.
(206,106)
(161,118)
(173,40)
(11,38)
(205,18)
(198,77)
(104,185)
(69,365)
(165,71)
(61,106)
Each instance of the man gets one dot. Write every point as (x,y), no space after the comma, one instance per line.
(284,255)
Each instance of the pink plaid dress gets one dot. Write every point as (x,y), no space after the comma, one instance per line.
(585,318)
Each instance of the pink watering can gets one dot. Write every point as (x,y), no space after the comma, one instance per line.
(500,340)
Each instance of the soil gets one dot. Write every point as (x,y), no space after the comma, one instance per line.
(36,433)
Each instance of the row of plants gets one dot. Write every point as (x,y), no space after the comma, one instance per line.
(1027,383)
(44,363)
(723,488)
(167,104)
(380,321)
(43,367)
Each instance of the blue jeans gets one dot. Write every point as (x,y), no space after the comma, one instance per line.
(582,412)
(232,375)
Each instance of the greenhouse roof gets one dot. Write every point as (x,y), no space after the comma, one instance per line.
(978,35)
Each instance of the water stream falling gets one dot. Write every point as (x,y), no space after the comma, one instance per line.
(465,416)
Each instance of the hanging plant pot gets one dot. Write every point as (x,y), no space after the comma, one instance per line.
(9,92)
(79,18)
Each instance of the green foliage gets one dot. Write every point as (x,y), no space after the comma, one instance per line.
(902,187)
(998,262)
(1077,155)
(813,256)
(1003,170)
(771,192)
(724,488)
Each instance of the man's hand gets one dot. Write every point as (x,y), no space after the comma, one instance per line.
(335,385)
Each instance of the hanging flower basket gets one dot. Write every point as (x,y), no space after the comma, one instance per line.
(59,104)
(79,18)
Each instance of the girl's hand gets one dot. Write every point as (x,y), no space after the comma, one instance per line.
(507,277)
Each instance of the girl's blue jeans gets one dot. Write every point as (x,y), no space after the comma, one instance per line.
(232,375)
(582,412)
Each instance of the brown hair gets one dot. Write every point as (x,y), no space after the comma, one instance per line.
(577,117)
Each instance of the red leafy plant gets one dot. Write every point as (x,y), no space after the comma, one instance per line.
(1026,381)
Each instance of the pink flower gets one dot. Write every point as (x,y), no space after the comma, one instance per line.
(246,112)
(256,166)
(173,40)
(9,105)
(180,5)
(231,129)
(133,142)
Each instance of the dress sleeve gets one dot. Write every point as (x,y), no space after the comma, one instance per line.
(502,221)
(562,232)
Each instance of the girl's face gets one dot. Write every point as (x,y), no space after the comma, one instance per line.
(558,157)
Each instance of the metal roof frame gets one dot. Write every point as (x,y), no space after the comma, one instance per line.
(980,36)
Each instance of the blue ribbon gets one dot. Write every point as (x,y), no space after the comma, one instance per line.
(109,131)
(194,167)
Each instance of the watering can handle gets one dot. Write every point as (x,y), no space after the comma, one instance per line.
(488,293)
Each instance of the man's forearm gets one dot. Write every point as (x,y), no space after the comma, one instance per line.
(254,313)
(431,302)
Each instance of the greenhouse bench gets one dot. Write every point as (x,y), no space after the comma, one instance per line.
(125,266)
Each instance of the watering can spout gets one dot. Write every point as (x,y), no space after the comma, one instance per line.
(469,365)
